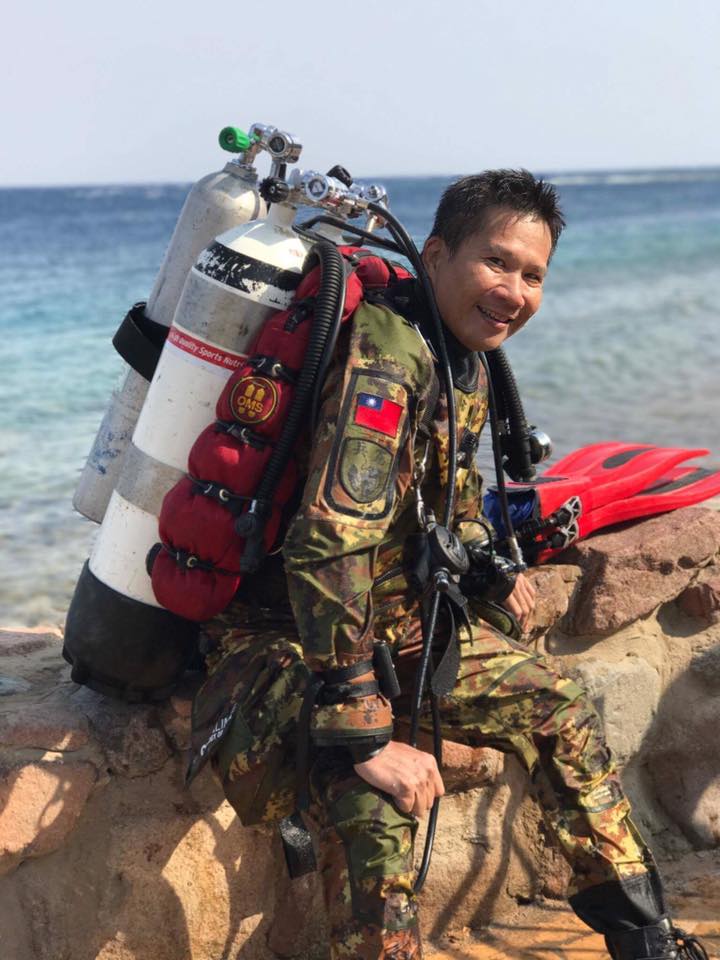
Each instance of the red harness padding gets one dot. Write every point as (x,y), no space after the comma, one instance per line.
(195,571)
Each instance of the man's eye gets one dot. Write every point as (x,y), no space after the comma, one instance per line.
(495,261)
(534,278)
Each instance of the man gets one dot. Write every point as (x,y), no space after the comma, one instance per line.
(380,447)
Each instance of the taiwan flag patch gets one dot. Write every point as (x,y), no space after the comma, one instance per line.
(378,413)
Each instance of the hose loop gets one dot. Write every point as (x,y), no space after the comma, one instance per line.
(329,304)
(518,452)
(425,668)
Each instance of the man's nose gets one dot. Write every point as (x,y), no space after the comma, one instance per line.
(511,288)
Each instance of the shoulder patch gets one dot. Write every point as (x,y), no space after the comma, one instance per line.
(372,429)
(378,413)
(364,469)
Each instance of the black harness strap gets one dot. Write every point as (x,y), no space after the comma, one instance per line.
(312,691)
(139,340)
(340,692)
(183,558)
(445,674)
(215,491)
(301,310)
(340,674)
(243,434)
(272,367)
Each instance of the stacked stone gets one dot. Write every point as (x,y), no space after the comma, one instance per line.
(105,855)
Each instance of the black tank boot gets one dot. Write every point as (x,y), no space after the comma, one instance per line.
(634,919)
(661,941)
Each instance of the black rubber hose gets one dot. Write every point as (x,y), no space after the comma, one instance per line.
(371,239)
(433,818)
(409,249)
(519,465)
(328,350)
(516,555)
(403,239)
(329,304)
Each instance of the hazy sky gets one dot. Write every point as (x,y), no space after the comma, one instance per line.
(138,90)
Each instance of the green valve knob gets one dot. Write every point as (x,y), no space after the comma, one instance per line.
(234,140)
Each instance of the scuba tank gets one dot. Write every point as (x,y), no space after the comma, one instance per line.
(118,638)
(218,201)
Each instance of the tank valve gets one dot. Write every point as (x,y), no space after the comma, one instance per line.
(282,146)
(274,190)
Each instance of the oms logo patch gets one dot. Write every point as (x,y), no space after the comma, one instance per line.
(254,399)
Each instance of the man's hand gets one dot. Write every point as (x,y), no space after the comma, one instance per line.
(521,601)
(410,776)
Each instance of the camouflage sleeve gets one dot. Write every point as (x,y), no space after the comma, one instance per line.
(359,472)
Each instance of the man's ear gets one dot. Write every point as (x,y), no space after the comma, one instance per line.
(433,251)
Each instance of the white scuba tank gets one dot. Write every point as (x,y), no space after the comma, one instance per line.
(216,203)
(236,285)
(240,280)
(117,637)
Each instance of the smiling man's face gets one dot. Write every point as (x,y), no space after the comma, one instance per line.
(492,284)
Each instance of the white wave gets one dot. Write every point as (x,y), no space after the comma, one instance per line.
(634,177)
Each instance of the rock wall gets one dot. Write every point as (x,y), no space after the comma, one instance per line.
(105,855)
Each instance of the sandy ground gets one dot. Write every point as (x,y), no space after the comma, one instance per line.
(552,932)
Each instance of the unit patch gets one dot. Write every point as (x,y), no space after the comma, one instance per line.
(365,469)
(254,399)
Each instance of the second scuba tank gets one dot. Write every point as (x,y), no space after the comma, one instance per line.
(117,637)
(216,203)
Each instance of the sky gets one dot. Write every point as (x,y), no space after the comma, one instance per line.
(137,91)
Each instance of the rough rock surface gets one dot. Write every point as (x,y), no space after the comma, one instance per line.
(631,571)
(540,930)
(702,598)
(121,862)
(555,588)
(626,694)
(40,804)
(105,855)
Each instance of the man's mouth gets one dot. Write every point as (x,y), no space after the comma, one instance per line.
(497,318)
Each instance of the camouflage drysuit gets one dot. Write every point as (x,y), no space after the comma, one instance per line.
(382,417)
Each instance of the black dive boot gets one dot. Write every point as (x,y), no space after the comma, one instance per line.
(634,919)
(661,941)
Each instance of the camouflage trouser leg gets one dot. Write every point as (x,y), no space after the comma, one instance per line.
(366,860)
(508,698)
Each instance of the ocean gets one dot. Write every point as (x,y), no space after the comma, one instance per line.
(625,345)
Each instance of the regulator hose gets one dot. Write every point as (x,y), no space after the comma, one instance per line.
(408,248)
(518,462)
(371,239)
(329,305)
(515,552)
(328,347)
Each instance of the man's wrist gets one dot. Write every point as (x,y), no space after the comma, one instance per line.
(364,751)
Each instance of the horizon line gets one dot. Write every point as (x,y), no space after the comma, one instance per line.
(545,174)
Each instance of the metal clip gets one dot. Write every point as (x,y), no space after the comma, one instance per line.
(418,476)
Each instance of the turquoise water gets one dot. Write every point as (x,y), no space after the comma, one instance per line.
(625,346)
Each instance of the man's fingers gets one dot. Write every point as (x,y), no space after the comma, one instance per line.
(405,799)
(409,775)
(521,601)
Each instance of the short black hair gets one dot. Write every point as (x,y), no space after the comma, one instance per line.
(464,205)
